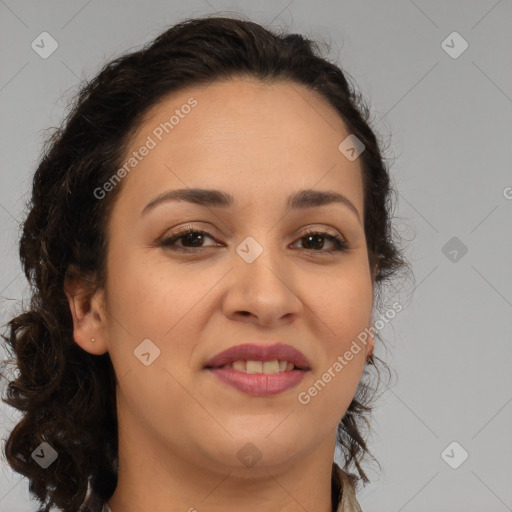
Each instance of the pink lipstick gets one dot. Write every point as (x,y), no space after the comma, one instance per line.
(260,370)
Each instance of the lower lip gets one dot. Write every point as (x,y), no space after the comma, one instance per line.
(259,384)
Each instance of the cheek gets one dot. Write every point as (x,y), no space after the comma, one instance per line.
(341,311)
(159,302)
(149,297)
(341,314)
(151,301)
(343,302)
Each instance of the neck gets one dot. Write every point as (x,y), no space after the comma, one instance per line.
(161,479)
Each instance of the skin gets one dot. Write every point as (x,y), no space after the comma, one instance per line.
(180,428)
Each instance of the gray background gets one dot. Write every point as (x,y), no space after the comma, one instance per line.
(448,123)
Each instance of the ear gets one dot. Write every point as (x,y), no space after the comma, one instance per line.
(88,312)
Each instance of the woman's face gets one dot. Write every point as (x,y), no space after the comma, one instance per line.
(255,278)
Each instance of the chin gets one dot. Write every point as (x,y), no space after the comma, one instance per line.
(246,452)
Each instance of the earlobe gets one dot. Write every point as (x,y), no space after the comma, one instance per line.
(88,313)
(370,342)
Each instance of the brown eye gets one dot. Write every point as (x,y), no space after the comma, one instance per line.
(314,241)
(191,239)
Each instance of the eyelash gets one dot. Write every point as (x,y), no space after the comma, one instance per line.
(340,243)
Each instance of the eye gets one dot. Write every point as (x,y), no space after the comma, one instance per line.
(193,238)
(189,235)
(314,237)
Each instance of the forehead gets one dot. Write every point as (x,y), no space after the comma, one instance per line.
(240,133)
(263,109)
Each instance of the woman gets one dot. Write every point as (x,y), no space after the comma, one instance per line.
(207,237)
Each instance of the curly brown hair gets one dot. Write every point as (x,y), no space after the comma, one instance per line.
(67,395)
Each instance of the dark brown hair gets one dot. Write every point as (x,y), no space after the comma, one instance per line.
(67,395)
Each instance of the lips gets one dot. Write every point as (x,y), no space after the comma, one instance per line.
(251,352)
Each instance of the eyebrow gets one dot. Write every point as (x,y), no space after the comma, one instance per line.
(301,199)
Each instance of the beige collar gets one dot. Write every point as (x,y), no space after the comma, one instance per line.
(348,502)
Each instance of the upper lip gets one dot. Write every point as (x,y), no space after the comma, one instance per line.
(251,352)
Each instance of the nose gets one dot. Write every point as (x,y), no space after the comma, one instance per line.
(264,291)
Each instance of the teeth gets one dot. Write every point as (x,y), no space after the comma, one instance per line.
(239,365)
(267,367)
(254,367)
(271,366)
